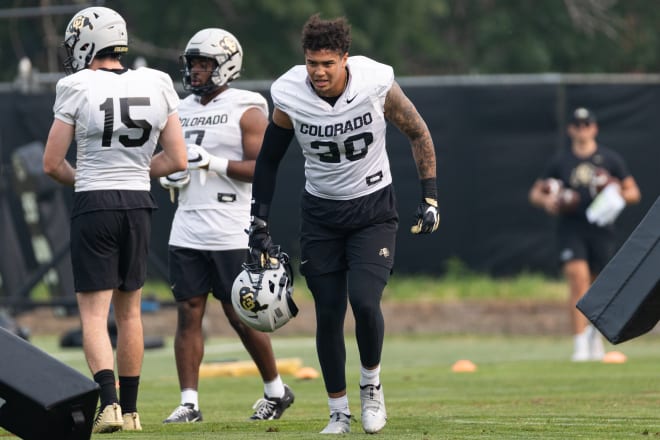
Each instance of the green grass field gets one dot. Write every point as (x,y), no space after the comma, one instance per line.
(524,388)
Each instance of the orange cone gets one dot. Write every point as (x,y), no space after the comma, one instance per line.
(463,366)
(306,373)
(614,357)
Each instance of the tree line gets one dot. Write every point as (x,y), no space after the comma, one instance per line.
(417,37)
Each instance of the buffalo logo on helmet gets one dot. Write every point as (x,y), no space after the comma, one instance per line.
(229,45)
(80,22)
(248,300)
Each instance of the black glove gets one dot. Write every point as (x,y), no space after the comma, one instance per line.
(427,216)
(260,243)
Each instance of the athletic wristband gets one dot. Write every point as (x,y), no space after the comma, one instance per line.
(429,188)
(218,165)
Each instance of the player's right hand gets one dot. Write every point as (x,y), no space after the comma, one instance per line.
(198,157)
(259,241)
(428,217)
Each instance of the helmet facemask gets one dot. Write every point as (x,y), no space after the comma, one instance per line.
(211,84)
(70,63)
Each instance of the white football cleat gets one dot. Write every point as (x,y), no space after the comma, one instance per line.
(374,415)
(339,423)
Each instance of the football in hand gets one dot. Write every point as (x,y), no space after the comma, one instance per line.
(552,186)
(569,200)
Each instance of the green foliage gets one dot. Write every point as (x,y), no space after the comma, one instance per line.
(458,284)
(423,37)
(476,287)
(524,388)
(461,283)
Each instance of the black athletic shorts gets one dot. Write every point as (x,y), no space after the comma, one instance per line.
(110,248)
(584,241)
(336,234)
(327,249)
(195,272)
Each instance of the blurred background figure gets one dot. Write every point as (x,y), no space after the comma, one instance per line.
(586,186)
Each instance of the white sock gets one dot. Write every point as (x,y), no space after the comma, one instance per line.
(581,341)
(188,395)
(274,388)
(369,377)
(339,404)
(585,333)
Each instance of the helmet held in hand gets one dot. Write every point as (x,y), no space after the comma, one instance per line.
(263,295)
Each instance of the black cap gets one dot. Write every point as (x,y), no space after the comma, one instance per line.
(582,115)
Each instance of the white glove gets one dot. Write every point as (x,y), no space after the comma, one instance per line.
(175,181)
(202,160)
(198,157)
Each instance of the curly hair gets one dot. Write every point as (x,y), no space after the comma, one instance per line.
(320,34)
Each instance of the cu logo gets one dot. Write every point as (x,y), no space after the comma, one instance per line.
(249,301)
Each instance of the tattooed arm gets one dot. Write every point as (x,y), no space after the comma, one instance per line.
(401,112)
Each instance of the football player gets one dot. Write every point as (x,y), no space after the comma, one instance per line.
(337,107)
(224,128)
(117,116)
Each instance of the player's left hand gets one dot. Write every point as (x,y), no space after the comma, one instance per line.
(175,181)
(198,157)
(428,217)
(259,242)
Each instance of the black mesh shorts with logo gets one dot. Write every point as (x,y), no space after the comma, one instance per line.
(336,234)
(327,249)
(195,272)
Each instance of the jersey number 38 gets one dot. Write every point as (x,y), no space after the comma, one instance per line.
(356,148)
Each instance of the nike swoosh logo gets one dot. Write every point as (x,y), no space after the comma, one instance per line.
(349,100)
(303,262)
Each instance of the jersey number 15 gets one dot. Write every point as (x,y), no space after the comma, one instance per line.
(125,104)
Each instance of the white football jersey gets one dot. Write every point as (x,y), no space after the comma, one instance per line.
(214,210)
(344,144)
(118,119)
